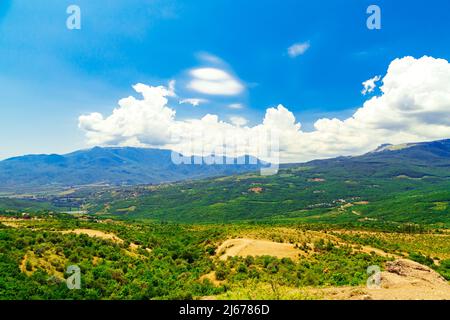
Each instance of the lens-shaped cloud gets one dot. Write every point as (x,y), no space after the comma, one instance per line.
(214,81)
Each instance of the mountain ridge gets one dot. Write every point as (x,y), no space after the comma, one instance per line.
(114,166)
(132,166)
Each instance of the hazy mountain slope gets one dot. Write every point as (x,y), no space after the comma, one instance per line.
(414,160)
(401,184)
(115,166)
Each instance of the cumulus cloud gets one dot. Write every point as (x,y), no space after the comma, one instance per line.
(414,105)
(135,122)
(193,101)
(370,85)
(298,49)
(214,81)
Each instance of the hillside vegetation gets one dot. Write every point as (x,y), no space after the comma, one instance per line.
(409,185)
(309,232)
(169,261)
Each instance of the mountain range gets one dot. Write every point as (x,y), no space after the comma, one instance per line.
(414,160)
(131,166)
(110,166)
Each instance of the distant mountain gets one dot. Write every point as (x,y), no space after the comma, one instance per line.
(131,166)
(113,166)
(439,148)
(414,160)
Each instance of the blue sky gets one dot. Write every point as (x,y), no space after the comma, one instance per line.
(50,75)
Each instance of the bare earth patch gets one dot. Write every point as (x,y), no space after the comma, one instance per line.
(11,224)
(106,236)
(95,233)
(16,222)
(251,247)
(403,280)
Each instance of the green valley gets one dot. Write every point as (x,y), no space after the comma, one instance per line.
(309,232)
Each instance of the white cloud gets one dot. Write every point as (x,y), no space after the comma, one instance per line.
(214,81)
(298,49)
(210,58)
(193,101)
(238,121)
(171,92)
(236,106)
(135,122)
(414,105)
(370,85)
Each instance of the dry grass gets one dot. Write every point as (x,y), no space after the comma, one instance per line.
(49,261)
(95,233)
(108,236)
(251,247)
(212,278)
(430,244)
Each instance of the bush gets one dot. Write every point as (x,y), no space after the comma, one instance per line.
(242,268)
(417,257)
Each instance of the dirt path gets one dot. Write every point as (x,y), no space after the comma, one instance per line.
(379,252)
